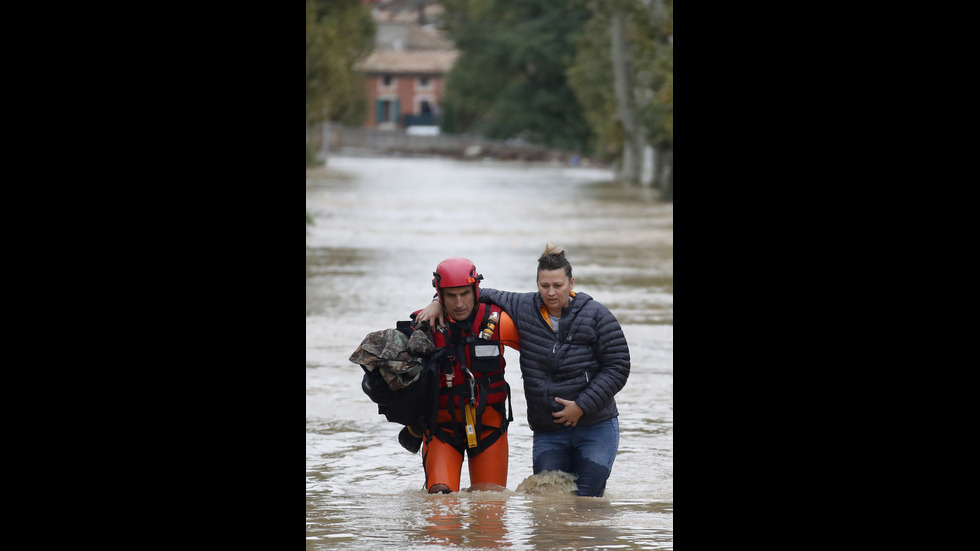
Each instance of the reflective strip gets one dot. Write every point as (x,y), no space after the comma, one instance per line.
(486,350)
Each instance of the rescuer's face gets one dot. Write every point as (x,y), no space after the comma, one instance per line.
(458,301)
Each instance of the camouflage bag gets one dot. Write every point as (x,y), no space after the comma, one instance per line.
(400,373)
(397,356)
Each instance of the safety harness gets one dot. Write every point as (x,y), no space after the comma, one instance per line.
(471,377)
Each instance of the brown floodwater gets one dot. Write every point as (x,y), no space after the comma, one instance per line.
(380,227)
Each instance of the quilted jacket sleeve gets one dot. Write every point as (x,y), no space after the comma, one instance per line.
(613,357)
(508,300)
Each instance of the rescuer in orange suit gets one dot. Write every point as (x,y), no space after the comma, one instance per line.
(471,415)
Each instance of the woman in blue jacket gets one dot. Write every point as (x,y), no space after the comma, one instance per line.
(574,359)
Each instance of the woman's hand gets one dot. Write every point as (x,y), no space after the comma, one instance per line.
(568,416)
(432,313)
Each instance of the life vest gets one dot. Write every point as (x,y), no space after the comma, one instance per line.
(471,371)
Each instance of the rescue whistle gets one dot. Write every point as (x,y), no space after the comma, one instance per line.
(470,425)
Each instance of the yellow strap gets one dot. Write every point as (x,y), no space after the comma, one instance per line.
(470,425)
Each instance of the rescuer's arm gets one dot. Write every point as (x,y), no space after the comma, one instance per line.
(434,313)
(508,333)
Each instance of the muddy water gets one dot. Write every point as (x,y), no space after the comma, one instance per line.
(380,227)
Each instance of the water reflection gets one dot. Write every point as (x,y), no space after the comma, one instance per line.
(380,227)
(470,521)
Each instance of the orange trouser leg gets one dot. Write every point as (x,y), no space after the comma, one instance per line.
(489,467)
(443,463)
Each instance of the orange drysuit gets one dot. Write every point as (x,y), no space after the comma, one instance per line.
(442,457)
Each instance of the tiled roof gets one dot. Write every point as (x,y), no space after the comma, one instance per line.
(391,61)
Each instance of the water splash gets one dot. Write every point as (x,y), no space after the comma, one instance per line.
(552,483)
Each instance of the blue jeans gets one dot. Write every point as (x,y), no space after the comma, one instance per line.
(587,452)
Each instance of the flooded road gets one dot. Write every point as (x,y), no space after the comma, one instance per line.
(380,227)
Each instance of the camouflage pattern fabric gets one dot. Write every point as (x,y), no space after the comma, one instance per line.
(395,355)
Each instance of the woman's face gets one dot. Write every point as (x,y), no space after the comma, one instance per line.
(554,287)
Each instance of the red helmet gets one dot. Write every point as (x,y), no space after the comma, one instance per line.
(456,272)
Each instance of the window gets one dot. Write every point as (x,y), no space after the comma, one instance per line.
(387,110)
(386,80)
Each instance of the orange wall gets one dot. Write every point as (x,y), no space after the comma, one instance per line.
(404,87)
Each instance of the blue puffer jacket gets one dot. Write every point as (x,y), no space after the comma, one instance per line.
(588,361)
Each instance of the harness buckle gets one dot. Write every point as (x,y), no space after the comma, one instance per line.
(472,379)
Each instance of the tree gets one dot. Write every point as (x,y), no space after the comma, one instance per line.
(622,66)
(655,34)
(624,76)
(338,33)
(510,78)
